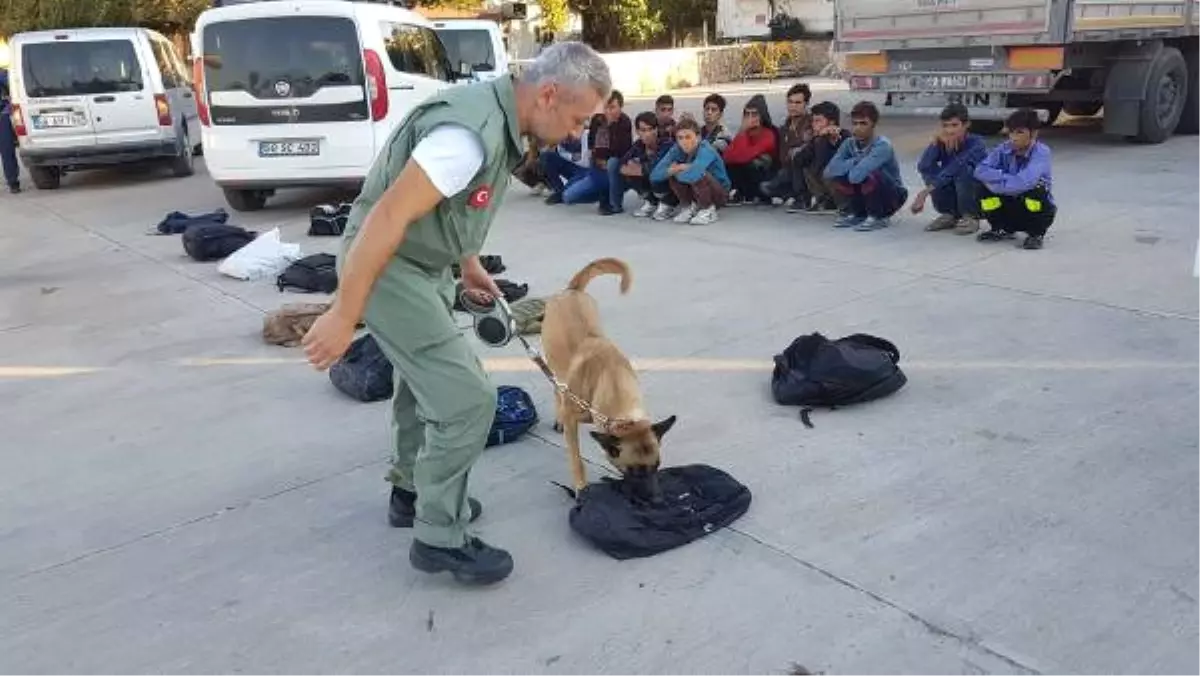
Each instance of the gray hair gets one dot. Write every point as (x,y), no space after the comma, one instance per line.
(573,65)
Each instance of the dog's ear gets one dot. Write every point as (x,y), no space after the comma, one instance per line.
(663,426)
(610,443)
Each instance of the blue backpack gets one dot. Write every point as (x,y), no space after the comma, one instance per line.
(515,415)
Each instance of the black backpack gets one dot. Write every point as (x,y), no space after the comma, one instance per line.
(815,371)
(697,500)
(328,220)
(214,241)
(363,373)
(315,274)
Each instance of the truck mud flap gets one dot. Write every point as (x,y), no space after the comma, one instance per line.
(1125,88)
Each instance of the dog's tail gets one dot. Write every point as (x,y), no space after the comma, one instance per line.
(602,266)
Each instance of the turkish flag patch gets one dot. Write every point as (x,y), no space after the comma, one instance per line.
(481,197)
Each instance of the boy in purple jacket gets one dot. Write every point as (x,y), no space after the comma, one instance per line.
(947,168)
(1016,182)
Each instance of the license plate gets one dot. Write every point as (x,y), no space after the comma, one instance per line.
(56,120)
(289,148)
(946,82)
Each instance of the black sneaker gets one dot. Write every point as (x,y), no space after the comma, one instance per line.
(822,206)
(1032,242)
(554,198)
(735,199)
(474,563)
(994,236)
(606,210)
(14,189)
(402,510)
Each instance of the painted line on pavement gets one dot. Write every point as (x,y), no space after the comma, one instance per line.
(661,365)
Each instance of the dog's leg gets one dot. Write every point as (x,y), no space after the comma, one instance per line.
(558,411)
(571,432)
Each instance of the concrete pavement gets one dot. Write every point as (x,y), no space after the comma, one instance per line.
(179,497)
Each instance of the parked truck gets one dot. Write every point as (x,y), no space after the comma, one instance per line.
(1135,59)
(752,19)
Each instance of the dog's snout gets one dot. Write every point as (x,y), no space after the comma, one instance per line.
(644,481)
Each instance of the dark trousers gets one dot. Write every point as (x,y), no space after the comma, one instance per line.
(746,179)
(619,184)
(558,170)
(1030,212)
(704,193)
(810,164)
(878,196)
(8,152)
(788,181)
(959,198)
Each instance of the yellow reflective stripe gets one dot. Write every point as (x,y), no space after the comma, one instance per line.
(990,203)
(1034,206)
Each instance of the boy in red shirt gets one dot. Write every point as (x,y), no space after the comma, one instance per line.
(751,157)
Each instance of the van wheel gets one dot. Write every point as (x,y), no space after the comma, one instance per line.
(46,178)
(1165,96)
(246,200)
(183,164)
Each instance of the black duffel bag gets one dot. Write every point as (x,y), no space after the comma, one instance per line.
(363,373)
(214,241)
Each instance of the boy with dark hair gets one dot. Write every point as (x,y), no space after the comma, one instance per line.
(664,109)
(794,135)
(696,174)
(564,165)
(632,172)
(611,137)
(828,136)
(1016,182)
(948,169)
(864,174)
(714,131)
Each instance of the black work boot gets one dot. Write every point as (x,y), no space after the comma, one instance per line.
(474,563)
(402,510)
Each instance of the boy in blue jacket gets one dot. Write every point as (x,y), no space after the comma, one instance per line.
(696,174)
(864,174)
(948,169)
(8,138)
(1016,182)
(632,172)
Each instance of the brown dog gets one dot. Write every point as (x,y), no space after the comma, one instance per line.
(594,369)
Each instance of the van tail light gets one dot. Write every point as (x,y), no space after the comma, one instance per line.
(864,82)
(198,90)
(18,120)
(164,110)
(377,91)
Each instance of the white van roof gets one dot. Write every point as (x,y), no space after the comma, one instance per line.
(346,8)
(79,34)
(484,24)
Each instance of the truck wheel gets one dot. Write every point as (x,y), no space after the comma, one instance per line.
(1165,95)
(46,178)
(1189,120)
(987,127)
(1083,108)
(183,164)
(1053,110)
(245,200)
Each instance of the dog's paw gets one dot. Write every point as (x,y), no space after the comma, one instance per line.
(557,427)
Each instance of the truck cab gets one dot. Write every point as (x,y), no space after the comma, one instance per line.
(1135,59)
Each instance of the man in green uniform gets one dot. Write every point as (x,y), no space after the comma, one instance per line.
(427,203)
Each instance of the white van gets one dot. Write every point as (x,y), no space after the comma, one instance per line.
(474,46)
(305,92)
(91,97)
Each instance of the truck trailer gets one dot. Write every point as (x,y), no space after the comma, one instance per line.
(1135,59)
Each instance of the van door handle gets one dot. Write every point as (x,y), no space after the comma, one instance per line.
(105,99)
(403,87)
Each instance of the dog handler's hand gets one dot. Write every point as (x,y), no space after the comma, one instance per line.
(477,282)
(328,339)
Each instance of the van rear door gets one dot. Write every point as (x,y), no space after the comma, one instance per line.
(290,90)
(81,91)
(475,44)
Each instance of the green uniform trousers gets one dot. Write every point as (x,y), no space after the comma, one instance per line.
(444,403)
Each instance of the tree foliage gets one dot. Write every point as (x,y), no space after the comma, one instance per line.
(554,15)
(632,24)
(169,16)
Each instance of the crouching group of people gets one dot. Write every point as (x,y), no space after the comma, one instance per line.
(1009,186)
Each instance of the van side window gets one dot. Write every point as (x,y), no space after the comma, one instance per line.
(415,50)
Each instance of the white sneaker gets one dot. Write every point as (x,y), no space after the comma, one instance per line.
(663,212)
(540,190)
(706,216)
(686,214)
(645,211)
